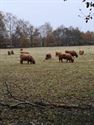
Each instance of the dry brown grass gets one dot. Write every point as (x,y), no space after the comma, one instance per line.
(69,83)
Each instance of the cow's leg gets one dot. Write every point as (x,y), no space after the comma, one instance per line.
(28,61)
(21,61)
(70,61)
(62,60)
(59,60)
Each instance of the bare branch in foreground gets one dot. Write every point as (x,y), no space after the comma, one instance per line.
(40,104)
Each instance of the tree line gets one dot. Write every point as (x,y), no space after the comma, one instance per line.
(17,33)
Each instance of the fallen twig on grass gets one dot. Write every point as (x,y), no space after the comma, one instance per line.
(20,103)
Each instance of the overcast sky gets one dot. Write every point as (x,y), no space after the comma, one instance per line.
(56,12)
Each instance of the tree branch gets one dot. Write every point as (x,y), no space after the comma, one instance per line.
(41,104)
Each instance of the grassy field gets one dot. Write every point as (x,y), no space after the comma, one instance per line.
(50,81)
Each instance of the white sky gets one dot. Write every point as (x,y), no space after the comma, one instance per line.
(56,12)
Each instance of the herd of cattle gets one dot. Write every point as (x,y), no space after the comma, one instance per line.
(68,56)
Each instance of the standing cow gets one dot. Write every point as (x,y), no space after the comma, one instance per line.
(12,52)
(9,53)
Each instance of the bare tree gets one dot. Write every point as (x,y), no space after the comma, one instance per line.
(89,5)
(10,22)
(2,30)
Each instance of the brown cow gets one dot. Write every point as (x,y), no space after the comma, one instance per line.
(21,49)
(57,53)
(81,52)
(9,53)
(12,52)
(26,57)
(48,56)
(67,57)
(73,53)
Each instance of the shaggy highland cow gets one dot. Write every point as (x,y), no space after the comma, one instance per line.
(57,53)
(67,57)
(73,53)
(21,49)
(27,58)
(81,52)
(9,53)
(48,56)
(12,52)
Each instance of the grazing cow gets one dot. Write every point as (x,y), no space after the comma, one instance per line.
(48,56)
(57,53)
(12,52)
(9,53)
(21,49)
(23,52)
(26,57)
(81,52)
(73,53)
(67,57)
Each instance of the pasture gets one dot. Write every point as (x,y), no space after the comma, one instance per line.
(49,80)
(63,82)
